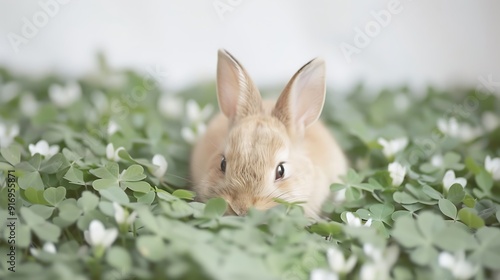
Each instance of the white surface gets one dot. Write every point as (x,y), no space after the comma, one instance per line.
(439,42)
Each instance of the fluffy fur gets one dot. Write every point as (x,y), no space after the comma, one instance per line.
(255,136)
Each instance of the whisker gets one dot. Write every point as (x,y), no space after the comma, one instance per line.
(180,177)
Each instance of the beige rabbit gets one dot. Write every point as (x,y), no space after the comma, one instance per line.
(255,151)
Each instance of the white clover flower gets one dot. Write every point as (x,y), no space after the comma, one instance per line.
(449,127)
(113,127)
(338,263)
(437,160)
(34,252)
(196,115)
(397,173)
(490,121)
(453,128)
(370,271)
(387,257)
(65,96)
(449,179)
(170,106)
(196,121)
(323,274)
(42,148)
(459,267)
(122,216)
(111,153)
(468,133)
(355,221)
(492,165)
(28,105)
(97,235)
(161,163)
(7,134)
(190,135)
(119,213)
(48,247)
(382,261)
(392,147)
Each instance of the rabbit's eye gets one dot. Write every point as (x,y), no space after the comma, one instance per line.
(280,172)
(223,164)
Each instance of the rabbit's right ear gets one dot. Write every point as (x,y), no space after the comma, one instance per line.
(236,93)
(301,102)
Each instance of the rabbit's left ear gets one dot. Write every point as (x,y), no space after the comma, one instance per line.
(301,102)
(237,94)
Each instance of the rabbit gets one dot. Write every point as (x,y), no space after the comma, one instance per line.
(254,151)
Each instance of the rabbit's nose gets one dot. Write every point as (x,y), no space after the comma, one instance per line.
(241,212)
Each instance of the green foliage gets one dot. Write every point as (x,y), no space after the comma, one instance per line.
(164,233)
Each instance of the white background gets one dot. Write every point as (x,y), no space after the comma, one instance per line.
(429,42)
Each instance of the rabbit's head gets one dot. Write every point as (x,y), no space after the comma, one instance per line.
(263,157)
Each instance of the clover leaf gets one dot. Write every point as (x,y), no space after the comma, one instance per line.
(418,235)
(130,178)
